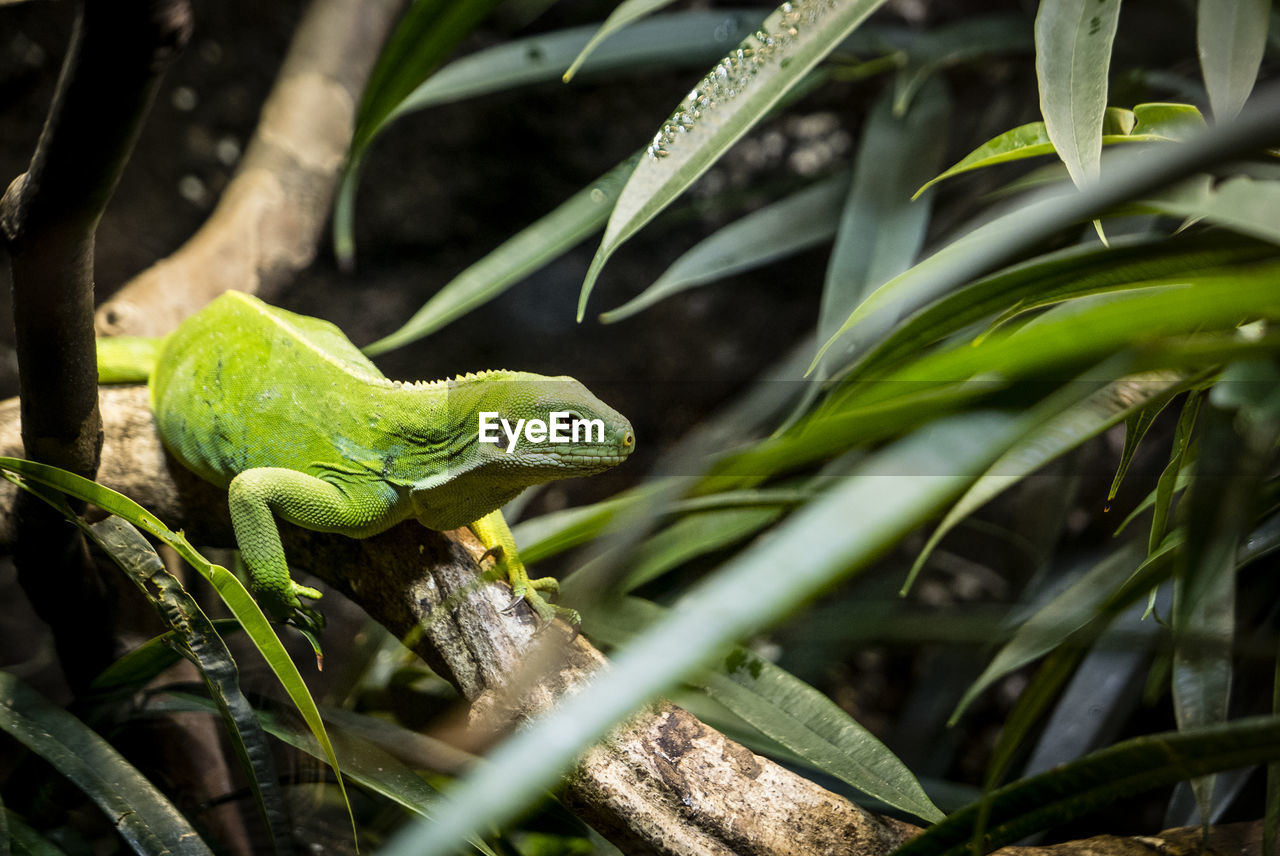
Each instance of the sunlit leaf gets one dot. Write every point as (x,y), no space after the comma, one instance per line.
(722,107)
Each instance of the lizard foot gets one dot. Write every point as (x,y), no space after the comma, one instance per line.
(530,591)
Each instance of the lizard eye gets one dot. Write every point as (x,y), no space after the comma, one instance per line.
(628,440)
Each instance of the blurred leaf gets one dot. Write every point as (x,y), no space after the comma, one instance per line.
(680,39)
(972,37)
(1089,330)
(137,810)
(787,710)
(1160,120)
(881,230)
(626,12)
(721,108)
(817,544)
(1241,426)
(522,254)
(1241,203)
(1168,478)
(1100,779)
(1095,594)
(693,535)
(363,761)
(1045,212)
(777,230)
(145,662)
(1073,56)
(1090,418)
(1073,272)
(1231,36)
(229,588)
(25,840)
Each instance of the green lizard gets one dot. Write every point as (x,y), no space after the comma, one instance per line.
(288,415)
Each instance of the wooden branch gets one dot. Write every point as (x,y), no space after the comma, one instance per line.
(270,218)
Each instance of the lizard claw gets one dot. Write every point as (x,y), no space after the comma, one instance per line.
(516,601)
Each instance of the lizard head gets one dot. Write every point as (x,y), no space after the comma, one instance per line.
(507,431)
(536,428)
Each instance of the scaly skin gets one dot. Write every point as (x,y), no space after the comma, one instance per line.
(290,417)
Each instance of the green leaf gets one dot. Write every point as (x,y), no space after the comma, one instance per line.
(780,229)
(367,764)
(1093,595)
(1169,477)
(1004,239)
(1241,426)
(626,12)
(144,663)
(816,544)
(1100,779)
(722,107)
(881,228)
(139,812)
(229,588)
(1077,271)
(1073,56)
(1090,418)
(25,840)
(195,638)
(1147,123)
(527,251)
(1136,426)
(1089,330)
(1243,204)
(1231,36)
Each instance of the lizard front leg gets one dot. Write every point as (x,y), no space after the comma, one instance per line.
(495,535)
(259,495)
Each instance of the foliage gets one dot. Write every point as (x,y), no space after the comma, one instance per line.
(967,344)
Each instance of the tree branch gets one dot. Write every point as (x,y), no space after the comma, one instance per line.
(48,216)
(270,218)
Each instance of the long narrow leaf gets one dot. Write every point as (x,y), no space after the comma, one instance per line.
(228,586)
(780,229)
(626,12)
(1231,36)
(138,810)
(1100,779)
(1073,56)
(724,105)
(1093,416)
